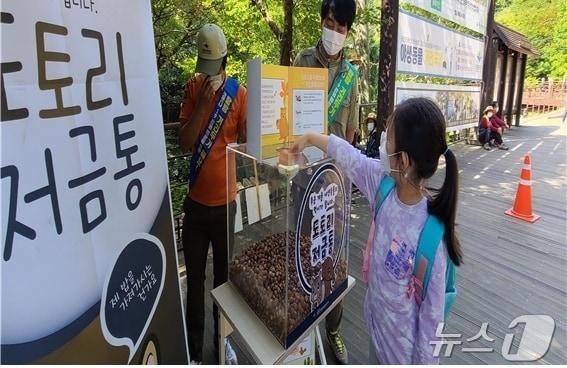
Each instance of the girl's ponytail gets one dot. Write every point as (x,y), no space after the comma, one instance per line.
(419,127)
(444,206)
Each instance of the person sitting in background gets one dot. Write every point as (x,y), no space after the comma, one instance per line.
(497,120)
(373,141)
(488,133)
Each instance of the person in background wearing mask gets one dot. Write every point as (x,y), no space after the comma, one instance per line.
(213,114)
(488,132)
(337,17)
(373,142)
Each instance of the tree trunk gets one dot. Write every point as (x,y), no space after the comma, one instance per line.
(286,41)
(387,66)
(362,51)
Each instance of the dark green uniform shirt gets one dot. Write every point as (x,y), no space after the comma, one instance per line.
(347,117)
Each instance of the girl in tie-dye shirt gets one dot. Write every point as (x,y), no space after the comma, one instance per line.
(400,327)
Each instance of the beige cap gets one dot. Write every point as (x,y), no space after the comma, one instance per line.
(371,115)
(488,108)
(211,44)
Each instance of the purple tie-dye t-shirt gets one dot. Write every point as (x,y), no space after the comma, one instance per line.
(401,331)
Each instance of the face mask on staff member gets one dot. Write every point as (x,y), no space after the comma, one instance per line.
(333,41)
(333,34)
(216,81)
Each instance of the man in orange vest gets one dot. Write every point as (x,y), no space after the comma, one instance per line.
(213,115)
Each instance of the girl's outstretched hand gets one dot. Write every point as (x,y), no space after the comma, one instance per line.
(315,139)
(300,143)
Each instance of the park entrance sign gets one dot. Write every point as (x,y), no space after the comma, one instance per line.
(427,48)
(472,14)
(89,264)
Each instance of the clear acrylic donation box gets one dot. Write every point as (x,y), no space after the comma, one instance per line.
(289,254)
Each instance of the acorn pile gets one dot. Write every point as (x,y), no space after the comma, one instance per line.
(263,279)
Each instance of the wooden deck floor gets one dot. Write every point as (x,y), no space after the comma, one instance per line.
(511,267)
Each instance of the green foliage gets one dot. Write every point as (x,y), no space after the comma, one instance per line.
(176,23)
(544,23)
(502,4)
(558,48)
(178,166)
(247,36)
(364,44)
(307,22)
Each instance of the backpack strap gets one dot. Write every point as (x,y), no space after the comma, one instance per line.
(429,241)
(450,289)
(384,188)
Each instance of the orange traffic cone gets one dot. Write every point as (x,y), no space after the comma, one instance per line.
(523,204)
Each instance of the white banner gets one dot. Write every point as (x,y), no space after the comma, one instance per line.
(472,14)
(87,236)
(427,48)
(460,104)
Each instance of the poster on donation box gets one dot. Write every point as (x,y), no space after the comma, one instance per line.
(283,103)
(89,264)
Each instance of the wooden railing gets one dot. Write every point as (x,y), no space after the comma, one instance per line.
(545,97)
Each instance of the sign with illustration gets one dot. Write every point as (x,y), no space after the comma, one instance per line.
(460,104)
(89,263)
(427,48)
(472,14)
(323,217)
(283,102)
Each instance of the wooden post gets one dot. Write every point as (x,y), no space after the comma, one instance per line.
(502,82)
(490,81)
(511,88)
(490,56)
(388,58)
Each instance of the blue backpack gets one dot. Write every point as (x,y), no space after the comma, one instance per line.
(429,241)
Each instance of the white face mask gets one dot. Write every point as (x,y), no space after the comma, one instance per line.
(216,81)
(370,127)
(384,156)
(489,114)
(332,41)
